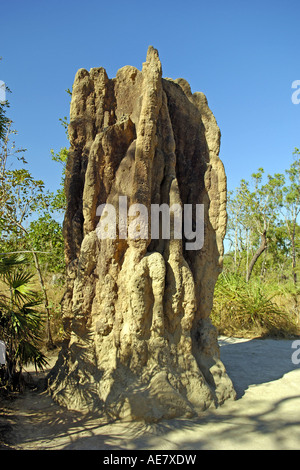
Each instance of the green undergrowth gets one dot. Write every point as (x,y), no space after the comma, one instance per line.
(255,309)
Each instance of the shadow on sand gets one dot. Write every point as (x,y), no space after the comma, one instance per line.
(255,361)
(261,421)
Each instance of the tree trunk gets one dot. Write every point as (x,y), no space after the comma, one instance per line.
(259,251)
(294,253)
(49,341)
(292,239)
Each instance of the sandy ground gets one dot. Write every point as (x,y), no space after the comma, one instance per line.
(266,414)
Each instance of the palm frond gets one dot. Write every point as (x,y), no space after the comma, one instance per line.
(20,320)
(27,352)
(20,283)
(7,262)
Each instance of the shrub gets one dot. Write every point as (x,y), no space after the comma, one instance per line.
(20,321)
(247,309)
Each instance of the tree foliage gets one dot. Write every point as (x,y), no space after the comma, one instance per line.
(263,221)
(45,235)
(21,198)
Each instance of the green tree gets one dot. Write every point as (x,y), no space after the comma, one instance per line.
(45,235)
(263,219)
(58,199)
(20,197)
(264,208)
(237,232)
(253,212)
(291,207)
(23,201)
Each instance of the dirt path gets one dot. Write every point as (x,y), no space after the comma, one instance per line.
(266,414)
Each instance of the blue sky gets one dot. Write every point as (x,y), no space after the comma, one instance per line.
(243,55)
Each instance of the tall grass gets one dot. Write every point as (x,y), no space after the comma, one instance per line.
(252,309)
